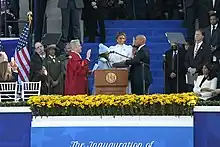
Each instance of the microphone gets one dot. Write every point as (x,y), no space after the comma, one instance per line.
(10,31)
(164,57)
(111,52)
(114,52)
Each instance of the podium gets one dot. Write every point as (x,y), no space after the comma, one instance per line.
(111,81)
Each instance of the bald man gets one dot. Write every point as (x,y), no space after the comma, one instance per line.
(140,75)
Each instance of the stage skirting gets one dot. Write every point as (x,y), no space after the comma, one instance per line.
(207,126)
(15,126)
(162,131)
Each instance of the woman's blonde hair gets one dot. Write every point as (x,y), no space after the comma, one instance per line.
(5,71)
(3,57)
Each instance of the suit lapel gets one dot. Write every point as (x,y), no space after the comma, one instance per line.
(213,35)
(200,50)
(192,50)
(209,32)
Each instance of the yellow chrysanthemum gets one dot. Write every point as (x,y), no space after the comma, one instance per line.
(84,101)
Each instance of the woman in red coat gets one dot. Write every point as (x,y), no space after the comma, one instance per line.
(77,70)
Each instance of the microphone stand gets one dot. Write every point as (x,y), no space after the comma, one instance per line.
(120,54)
(164,68)
(90,62)
(143,75)
(184,10)
(5,18)
(10,31)
(177,70)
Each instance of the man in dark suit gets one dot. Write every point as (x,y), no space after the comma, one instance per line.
(175,70)
(212,37)
(206,8)
(140,75)
(190,17)
(36,60)
(71,10)
(212,33)
(96,15)
(37,71)
(39,13)
(196,56)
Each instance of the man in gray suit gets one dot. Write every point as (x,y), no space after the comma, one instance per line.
(71,11)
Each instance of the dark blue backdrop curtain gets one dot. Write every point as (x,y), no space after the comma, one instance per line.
(9,47)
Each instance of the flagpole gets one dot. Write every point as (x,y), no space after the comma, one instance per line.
(30,41)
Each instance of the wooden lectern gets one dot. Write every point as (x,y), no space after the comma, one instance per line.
(111,81)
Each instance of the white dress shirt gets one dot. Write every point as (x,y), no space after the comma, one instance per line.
(175,52)
(140,47)
(124,49)
(53,58)
(213,28)
(197,47)
(210,84)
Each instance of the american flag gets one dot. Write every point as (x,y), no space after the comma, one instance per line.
(22,56)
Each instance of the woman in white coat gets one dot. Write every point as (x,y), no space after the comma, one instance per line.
(205,84)
(123,49)
(120,48)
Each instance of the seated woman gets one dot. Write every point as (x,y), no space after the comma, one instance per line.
(6,72)
(3,57)
(206,83)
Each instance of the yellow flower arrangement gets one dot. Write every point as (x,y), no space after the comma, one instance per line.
(95,101)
